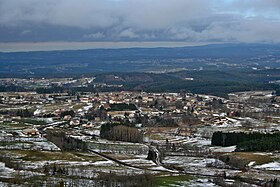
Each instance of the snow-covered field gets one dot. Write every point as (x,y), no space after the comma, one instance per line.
(134,154)
(199,183)
(5,171)
(223,149)
(30,145)
(272,166)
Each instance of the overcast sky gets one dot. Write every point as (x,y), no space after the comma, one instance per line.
(140,20)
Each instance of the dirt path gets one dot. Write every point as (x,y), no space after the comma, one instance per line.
(128,165)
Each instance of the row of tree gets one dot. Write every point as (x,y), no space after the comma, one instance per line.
(115,180)
(66,113)
(120,132)
(53,89)
(263,144)
(99,112)
(24,113)
(12,88)
(235,138)
(66,142)
(122,107)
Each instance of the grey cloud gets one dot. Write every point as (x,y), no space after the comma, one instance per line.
(148,20)
(24,32)
(262,8)
(98,35)
(160,14)
(128,33)
(143,14)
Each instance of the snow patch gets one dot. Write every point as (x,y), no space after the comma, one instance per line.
(223,149)
(274,166)
(251,163)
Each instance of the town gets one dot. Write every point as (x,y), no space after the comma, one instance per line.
(131,138)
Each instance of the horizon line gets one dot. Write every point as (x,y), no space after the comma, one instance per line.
(66,46)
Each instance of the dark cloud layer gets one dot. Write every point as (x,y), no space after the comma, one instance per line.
(140,20)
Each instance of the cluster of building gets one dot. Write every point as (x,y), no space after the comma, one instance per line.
(89,110)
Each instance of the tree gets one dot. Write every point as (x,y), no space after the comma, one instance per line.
(24,113)
(119,132)
(66,113)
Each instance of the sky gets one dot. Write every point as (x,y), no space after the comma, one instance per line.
(250,21)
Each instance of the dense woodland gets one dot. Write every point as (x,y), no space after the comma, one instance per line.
(212,82)
(263,144)
(24,113)
(215,69)
(122,107)
(247,141)
(66,143)
(120,132)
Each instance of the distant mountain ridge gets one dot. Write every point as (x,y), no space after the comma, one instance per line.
(136,59)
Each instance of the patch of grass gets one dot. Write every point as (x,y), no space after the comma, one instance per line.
(88,156)
(259,159)
(78,106)
(31,121)
(156,137)
(34,155)
(13,143)
(172,180)
(117,148)
(241,159)
(33,181)
(13,126)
